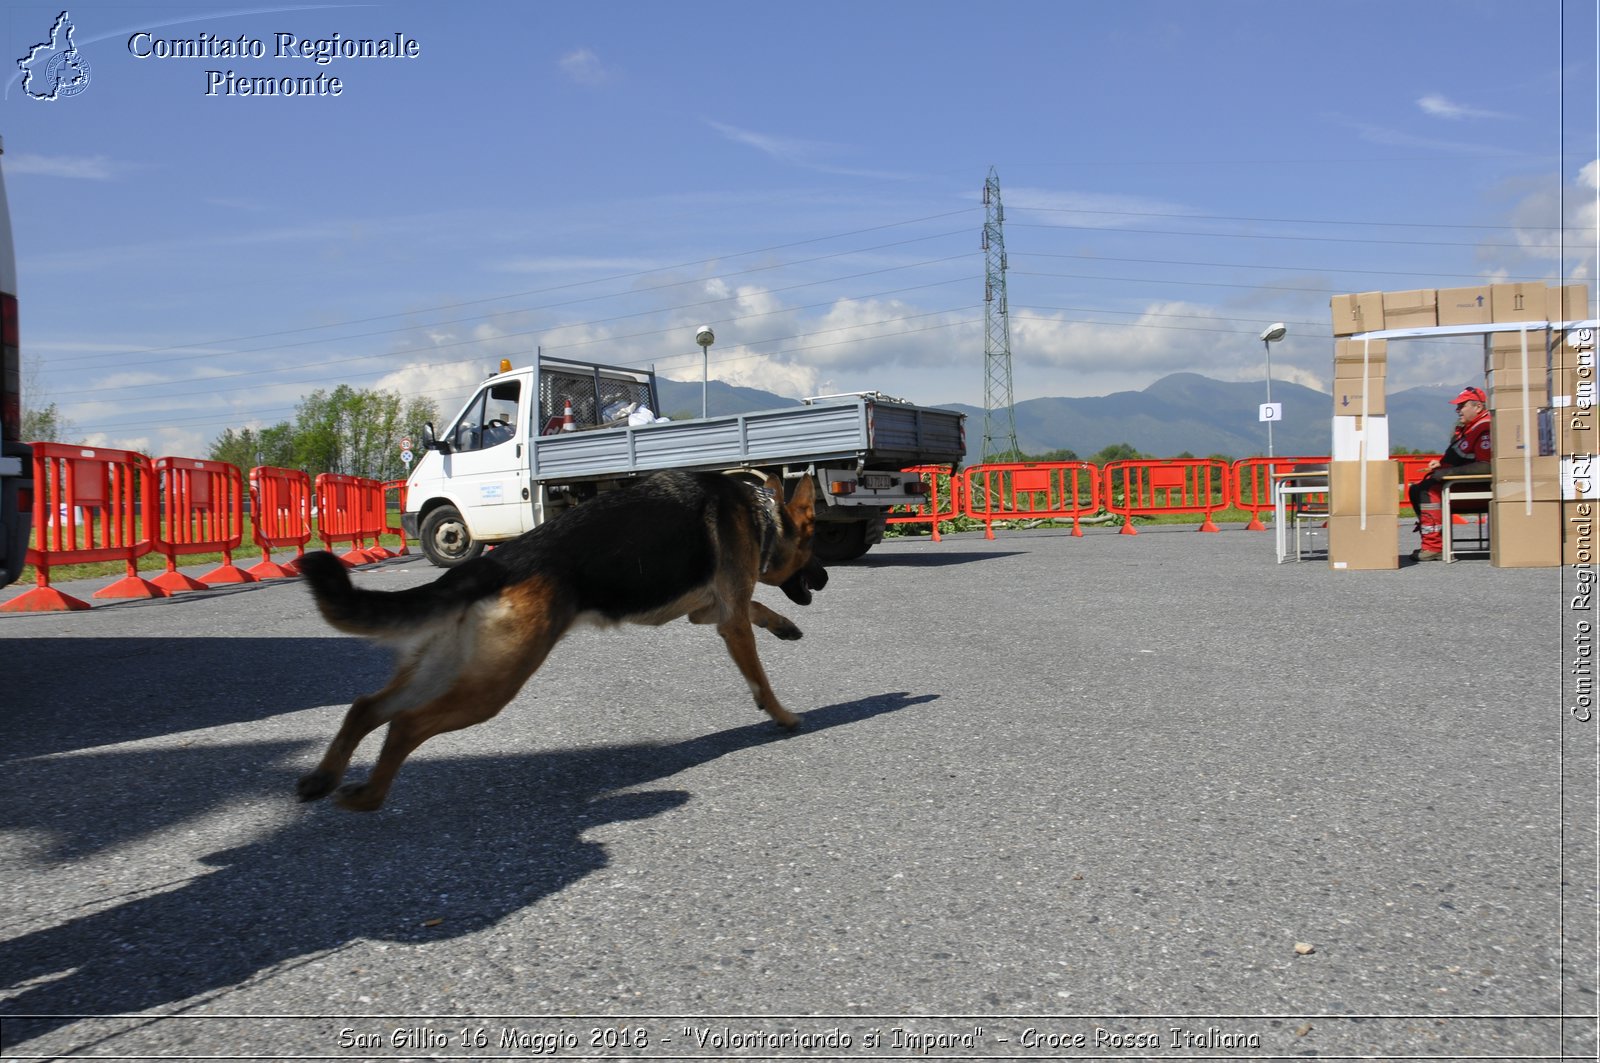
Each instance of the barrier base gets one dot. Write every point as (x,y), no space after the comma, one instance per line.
(1128,529)
(1255,523)
(43,600)
(132,587)
(272,570)
(1209,525)
(356,557)
(175,582)
(227,574)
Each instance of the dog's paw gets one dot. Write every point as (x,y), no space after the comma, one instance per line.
(359,797)
(785,629)
(315,785)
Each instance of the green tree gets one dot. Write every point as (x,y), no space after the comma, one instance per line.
(1116,452)
(248,448)
(46,425)
(356,432)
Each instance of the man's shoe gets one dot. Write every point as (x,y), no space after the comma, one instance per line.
(1426,555)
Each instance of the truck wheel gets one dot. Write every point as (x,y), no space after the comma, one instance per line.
(837,541)
(445,538)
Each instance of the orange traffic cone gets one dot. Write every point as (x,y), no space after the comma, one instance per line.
(567,424)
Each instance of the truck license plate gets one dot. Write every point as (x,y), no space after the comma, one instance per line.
(877,481)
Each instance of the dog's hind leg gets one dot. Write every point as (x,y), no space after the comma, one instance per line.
(366,714)
(510,647)
(740,639)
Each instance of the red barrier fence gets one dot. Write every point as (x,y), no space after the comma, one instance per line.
(1178,485)
(280,517)
(202,512)
(942,502)
(1066,490)
(1252,484)
(349,510)
(89,504)
(399,488)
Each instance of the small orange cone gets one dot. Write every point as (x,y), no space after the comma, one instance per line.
(567,424)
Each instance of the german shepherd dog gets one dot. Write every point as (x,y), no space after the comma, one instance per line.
(676,544)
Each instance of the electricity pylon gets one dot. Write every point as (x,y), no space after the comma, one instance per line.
(999,414)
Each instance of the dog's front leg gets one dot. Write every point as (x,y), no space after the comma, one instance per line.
(740,639)
(776,623)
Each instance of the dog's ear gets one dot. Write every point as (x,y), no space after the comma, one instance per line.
(774,485)
(802,507)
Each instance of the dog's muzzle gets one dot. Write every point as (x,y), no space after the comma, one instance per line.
(813,577)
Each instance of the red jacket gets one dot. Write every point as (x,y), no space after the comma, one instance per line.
(1469,443)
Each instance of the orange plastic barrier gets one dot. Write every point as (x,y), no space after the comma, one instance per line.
(349,510)
(89,504)
(399,488)
(1177,485)
(942,502)
(280,517)
(1064,490)
(202,512)
(1252,484)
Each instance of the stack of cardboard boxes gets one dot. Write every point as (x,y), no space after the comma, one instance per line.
(1541,400)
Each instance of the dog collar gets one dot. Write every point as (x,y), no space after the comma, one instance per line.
(770,523)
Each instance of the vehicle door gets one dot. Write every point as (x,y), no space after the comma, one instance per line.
(487,463)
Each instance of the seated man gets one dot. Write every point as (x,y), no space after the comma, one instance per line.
(1468,452)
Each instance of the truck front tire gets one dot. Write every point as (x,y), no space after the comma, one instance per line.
(446,540)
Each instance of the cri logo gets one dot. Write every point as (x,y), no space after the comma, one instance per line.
(55,69)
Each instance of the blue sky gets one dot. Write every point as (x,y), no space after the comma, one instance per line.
(598,179)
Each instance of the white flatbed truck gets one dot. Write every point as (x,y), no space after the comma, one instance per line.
(510,460)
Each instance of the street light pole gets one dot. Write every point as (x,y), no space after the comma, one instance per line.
(1270,335)
(704,337)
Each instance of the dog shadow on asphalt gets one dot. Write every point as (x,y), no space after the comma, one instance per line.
(81,692)
(469,842)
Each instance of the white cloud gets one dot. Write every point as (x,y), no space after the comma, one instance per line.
(808,154)
(584,67)
(77,167)
(1440,107)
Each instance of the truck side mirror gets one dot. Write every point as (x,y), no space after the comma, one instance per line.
(432,442)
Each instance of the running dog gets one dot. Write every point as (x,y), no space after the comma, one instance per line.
(676,544)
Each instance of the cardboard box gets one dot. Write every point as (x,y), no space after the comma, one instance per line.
(1524,534)
(1362,396)
(1514,431)
(1345,481)
(1464,306)
(1511,397)
(1369,543)
(1572,386)
(1578,528)
(1361,352)
(1568,302)
(1516,481)
(1505,349)
(1413,309)
(1357,313)
(1512,377)
(1518,302)
(1357,438)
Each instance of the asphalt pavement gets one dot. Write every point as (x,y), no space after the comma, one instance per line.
(1057,797)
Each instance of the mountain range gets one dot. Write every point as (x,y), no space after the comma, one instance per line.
(1180,413)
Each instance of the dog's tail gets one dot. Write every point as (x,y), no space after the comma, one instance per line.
(375,613)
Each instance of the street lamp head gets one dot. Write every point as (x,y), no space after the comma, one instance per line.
(1275,332)
(704,336)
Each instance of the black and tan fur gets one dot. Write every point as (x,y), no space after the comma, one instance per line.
(677,544)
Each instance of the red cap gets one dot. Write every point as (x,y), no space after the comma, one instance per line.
(1470,395)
